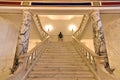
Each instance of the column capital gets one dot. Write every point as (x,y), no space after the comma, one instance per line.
(95,11)
(95,15)
(27,12)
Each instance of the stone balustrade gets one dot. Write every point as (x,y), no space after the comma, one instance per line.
(43,33)
(94,61)
(27,60)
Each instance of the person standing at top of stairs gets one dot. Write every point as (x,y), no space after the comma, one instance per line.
(60,36)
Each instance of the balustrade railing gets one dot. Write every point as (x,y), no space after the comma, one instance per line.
(85,52)
(78,33)
(27,60)
(43,33)
(94,61)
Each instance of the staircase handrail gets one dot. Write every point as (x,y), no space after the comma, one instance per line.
(42,32)
(82,26)
(27,60)
(94,61)
(37,46)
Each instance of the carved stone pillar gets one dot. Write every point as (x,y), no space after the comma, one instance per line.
(24,34)
(23,39)
(99,41)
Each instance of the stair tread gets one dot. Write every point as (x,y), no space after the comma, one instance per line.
(61,68)
(60,64)
(60,61)
(55,75)
(60,79)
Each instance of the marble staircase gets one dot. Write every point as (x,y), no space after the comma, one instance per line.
(60,61)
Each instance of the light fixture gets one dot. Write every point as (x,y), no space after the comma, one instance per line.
(72,27)
(48,27)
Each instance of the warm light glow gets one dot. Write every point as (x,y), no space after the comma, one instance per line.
(61,17)
(72,27)
(48,28)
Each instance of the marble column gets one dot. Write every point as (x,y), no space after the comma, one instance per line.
(98,36)
(24,34)
(23,38)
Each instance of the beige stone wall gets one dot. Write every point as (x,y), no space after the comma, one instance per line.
(87,36)
(34,36)
(9,25)
(111,28)
(111,25)
(60,25)
(9,30)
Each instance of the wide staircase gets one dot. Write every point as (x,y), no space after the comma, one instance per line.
(60,61)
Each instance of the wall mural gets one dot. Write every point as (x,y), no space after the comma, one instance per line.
(99,41)
(23,38)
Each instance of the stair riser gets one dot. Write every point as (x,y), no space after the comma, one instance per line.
(60,76)
(60,61)
(61,79)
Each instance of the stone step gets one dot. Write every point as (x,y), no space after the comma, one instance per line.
(59,64)
(65,53)
(61,72)
(60,57)
(60,79)
(58,52)
(81,68)
(61,48)
(60,60)
(70,68)
(60,75)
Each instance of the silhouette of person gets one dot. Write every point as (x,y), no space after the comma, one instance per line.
(60,36)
